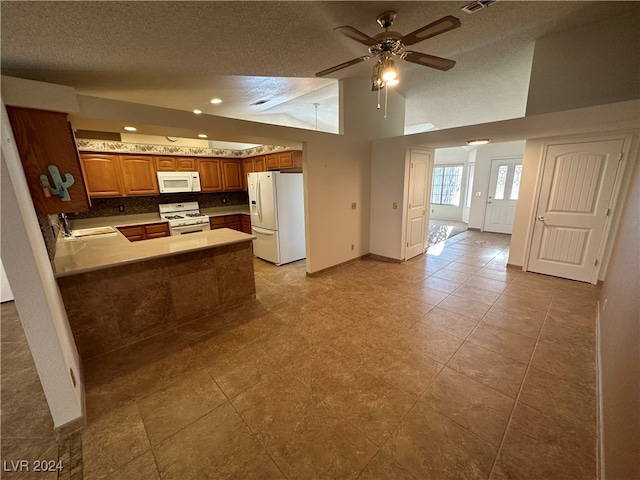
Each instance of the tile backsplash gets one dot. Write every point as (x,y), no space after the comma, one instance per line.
(108,207)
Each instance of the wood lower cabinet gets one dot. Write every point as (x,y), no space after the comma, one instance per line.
(233,222)
(102,174)
(138,175)
(245,223)
(210,174)
(48,154)
(135,233)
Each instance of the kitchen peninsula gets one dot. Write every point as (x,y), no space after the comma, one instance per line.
(117,292)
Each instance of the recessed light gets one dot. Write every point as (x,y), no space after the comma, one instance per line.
(202,135)
(130,129)
(197,112)
(479,141)
(216,101)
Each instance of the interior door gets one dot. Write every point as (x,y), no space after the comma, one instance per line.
(504,187)
(575,199)
(417,209)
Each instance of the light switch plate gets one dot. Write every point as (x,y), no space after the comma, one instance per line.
(353,206)
(478,194)
(395,205)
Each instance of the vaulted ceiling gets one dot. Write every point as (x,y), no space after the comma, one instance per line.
(182,54)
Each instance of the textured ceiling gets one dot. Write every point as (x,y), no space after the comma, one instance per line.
(182,54)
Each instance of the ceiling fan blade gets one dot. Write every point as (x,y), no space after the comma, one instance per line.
(342,65)
(436,28)
(432,61)
(357,35)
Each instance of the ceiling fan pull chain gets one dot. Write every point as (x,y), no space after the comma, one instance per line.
(386,95)
(379,97)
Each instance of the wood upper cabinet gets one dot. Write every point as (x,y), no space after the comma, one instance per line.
(175,164)
(49,159)
(247,167)
(210,174)
(165,164)
(231,174)
(260,164)
(102,174)
(271,161)
(138,175)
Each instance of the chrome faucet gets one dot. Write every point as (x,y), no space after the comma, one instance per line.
(66,228)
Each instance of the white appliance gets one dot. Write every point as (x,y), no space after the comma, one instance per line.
(276,204)
(184,218)
(179,182)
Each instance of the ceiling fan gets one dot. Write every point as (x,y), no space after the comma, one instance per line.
(388,44)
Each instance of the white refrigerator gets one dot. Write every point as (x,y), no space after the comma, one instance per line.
(276,204)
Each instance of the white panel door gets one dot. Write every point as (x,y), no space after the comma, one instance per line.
(417,209)
(504,187)
(575,197)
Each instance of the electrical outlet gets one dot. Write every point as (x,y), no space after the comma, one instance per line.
(224,201)
(353,206)
(478,194)
(121,208)
(395,205)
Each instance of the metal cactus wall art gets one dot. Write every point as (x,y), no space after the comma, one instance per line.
(60,187)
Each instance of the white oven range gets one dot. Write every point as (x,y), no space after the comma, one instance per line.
(184,218)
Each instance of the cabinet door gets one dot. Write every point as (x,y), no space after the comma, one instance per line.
(138,175)
(297,158)
(165,164)
(272,161)
(285,160)
(102,174)
(232,222)
(134,233)
(231,175)
(245,223)
(259,164)
(47,147)
(184,164)
(156,230)
(210,174)
(216,222)
(247,167)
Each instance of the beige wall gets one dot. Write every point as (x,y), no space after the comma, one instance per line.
(619,345)
(591,65)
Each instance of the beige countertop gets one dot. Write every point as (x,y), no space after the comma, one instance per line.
(79,255)
(145,218)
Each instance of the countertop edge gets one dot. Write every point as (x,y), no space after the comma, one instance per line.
(138,259)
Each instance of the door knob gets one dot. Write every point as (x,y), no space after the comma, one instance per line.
(541,218)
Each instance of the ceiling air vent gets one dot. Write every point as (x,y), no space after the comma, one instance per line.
(259,102)
(477,5)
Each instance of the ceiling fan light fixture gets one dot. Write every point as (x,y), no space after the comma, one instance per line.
(393,82)
(478,141)
(388,70)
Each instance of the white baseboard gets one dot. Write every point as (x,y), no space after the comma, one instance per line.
(599,424)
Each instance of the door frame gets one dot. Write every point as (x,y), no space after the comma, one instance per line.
(486,200)
(619,192)
(488,184)
(405,213)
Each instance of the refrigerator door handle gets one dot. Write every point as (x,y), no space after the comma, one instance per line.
(259,199)
(262,231)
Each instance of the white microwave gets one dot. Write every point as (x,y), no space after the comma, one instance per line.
(178,182)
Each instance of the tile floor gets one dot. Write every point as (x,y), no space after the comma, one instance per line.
(449,366)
